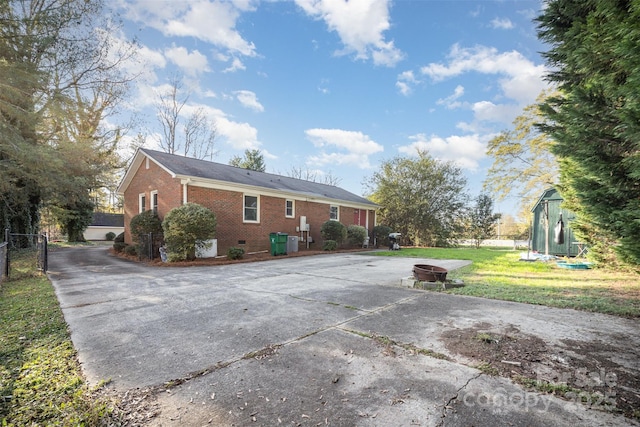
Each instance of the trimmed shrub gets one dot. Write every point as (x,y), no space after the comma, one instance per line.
(381,233)
(333,230)
(329,245)
(119,238)
(235,253)
(144,223)
(186,228)
(356,235)
(110,236)
(131,250)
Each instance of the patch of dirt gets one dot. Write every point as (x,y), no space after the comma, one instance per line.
(132,408)
(579,371)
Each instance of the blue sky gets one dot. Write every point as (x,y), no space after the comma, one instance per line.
(338,87)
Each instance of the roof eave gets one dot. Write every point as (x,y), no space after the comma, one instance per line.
(233,186)
(138,158)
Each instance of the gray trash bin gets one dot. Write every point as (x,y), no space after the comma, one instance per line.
(292,244)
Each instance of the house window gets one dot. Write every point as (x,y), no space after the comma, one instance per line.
(333,213)
(251,208)
(142,203)
(154,201)
(289,210)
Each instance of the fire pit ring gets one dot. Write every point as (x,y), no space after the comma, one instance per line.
(429,273)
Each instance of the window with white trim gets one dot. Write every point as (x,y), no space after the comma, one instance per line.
(142,202)
(289,209)
(334,212)
(251,208)
(154,201)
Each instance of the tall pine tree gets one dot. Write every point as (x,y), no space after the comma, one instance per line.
(595,58)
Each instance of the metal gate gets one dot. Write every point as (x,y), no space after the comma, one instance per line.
(149,246)
(25,251)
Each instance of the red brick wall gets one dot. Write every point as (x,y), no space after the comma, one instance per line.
(228,207)
(145,181)
(231,230)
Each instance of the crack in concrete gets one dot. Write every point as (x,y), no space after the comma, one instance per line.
(447,405)
(223,364)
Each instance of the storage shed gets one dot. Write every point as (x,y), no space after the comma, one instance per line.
(552,233)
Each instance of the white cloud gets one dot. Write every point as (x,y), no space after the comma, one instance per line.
(350,147)
(240,136)
(360,24)
(501,24)
(451,101)
(249,100)
(237,135)
(236,64)
(466,151)
(487,111)
(522,80)
(212,21)
(193,63)
(405,81)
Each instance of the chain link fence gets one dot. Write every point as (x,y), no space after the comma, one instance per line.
(4,261)
(28,251)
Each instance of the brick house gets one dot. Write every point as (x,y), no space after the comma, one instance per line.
(249,205)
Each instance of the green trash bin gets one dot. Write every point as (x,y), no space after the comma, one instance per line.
(278,243)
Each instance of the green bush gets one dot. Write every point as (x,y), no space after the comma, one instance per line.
(235,253)
(144,223)
(381,233)
(356,235)
(131,250)
(110,236)
(186,228)
(329,245)
(119,238)
(333,230)
(119,246)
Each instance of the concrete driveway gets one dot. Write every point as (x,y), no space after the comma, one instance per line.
(302,341)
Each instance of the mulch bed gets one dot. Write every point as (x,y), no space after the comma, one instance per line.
(223,260)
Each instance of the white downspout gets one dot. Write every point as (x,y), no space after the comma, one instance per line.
(184,192)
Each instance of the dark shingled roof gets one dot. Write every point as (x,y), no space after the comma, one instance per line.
(103,219)
(190,167)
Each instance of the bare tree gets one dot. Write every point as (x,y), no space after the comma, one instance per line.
(307,174)
(199,131)
(199,136)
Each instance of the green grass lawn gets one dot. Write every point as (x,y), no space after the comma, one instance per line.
(499,274)
(40,378)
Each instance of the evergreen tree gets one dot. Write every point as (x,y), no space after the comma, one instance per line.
(482,220)
(595,120)
(253,160)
